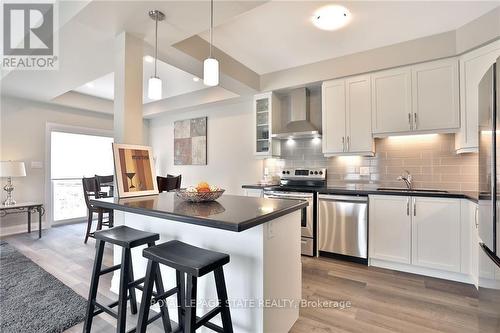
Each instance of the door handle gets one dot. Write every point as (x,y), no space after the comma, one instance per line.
(348,144)
(414,207)
(343,144)
(415,120)
(408,206)
(409,120)
(476,217)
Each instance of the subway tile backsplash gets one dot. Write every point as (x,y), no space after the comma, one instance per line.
(431,160)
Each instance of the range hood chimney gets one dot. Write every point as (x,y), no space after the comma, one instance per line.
(299,125)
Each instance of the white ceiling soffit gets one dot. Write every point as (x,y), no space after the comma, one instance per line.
(279,34)
(175,82)
(86,41)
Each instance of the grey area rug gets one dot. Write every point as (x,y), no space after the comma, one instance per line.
(32,300)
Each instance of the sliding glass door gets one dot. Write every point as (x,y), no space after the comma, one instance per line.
(73,156)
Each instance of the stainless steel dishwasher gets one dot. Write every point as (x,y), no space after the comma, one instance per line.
(343,227)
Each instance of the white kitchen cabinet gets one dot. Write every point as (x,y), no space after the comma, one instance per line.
(267,120)
(473,65)
(346,110)
(333,114)
(435,96)
(390,228)
(436,233)
(422,98)
(391,101)
(254,192)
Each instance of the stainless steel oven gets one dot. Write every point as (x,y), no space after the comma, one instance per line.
(307,221)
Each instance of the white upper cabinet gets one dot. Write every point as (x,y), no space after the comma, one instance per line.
(414,99)
(359,116)
(333,114)
(436,233)
(266,122)
(435,96)
(346,111)
(473,65)
(391,100)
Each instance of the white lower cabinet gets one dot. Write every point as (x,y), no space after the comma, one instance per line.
(254,192)
(390,228)
(422,235)
(436,233)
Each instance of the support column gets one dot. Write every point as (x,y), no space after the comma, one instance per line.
(128,121)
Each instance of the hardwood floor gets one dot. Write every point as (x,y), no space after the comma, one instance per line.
(368,299)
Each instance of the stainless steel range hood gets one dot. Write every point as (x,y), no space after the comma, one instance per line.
(299,125)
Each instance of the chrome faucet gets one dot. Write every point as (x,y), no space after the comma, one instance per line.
(407,179)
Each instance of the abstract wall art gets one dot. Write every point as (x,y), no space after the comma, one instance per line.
(190,141)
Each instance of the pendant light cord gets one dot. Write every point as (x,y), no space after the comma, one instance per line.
(156,41)
(211,26)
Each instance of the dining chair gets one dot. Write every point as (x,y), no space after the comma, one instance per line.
(104,181)
(89,191)
(169,183)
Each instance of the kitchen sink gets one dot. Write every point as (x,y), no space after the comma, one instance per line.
(412,190)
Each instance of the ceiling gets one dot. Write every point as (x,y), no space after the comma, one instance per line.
(175,82)
(280,35)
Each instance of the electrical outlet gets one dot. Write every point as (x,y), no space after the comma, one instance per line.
(364,171)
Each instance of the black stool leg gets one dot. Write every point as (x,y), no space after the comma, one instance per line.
(93,286)
(220,284)
(147,293)
(133,297)
(122,295)
(190,305)
(181,287)
(167,327)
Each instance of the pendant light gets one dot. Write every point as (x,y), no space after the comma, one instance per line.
(154,83)
(211,65)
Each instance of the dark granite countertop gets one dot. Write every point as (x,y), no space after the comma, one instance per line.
(362,189)
(229,212)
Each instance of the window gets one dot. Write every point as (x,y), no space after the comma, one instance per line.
(74,156)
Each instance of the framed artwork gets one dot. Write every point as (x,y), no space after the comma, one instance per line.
(134,169)
(190,141)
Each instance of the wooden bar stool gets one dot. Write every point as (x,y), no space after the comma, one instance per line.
(193,262)
(127,238)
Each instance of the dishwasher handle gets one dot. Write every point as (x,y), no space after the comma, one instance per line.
(344,198)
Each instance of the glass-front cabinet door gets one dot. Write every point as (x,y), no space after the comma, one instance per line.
(265,105)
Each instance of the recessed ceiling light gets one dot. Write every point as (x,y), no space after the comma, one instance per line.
(196,79)
(90,85)
(331,17)
(149,59)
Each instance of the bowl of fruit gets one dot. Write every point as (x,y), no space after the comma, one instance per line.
(200,193)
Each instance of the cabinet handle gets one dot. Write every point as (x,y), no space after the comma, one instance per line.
(409,120)
(414,207)
(476,217)
(348,144)
(408,206)
(343,144)
(415,120)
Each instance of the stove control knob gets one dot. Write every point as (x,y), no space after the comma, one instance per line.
(321,172)
(315,172)
(283,172)
(310,172)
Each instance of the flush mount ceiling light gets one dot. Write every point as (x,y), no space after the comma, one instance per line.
(331,17)
(211,65)
(154,83)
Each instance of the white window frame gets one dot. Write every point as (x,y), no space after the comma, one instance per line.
(49,191)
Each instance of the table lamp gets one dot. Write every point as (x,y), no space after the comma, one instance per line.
(9,169)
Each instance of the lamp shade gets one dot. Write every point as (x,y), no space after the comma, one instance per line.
(211,72)
(154,88)
(12,169)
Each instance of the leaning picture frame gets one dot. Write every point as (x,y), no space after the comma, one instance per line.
(134,170)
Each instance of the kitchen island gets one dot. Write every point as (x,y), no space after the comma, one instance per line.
(262,236)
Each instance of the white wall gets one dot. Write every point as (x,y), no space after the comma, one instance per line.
(230,159)
(22,137)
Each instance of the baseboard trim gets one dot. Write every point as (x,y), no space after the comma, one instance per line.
(452,276)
